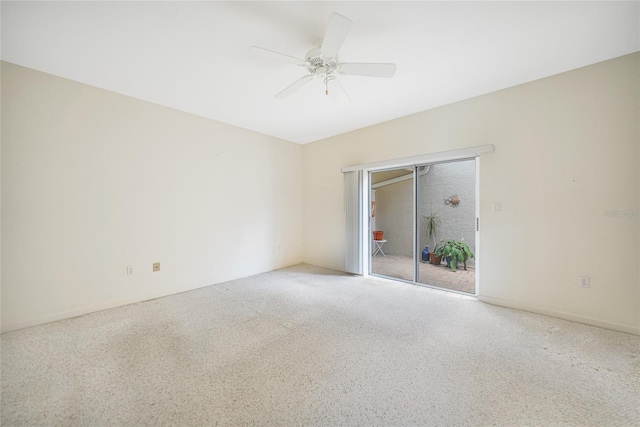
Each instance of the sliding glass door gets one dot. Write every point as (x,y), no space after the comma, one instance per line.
(423,224)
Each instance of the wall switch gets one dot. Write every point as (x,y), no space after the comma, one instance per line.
(497,207)
(584,282)
(130,270)
(156,266)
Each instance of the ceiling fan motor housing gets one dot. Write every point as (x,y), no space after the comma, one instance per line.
(318,65)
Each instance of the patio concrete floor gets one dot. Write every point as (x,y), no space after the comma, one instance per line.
(435,275)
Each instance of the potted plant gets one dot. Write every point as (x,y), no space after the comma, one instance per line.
(434,258)
(431,224)
(455,252)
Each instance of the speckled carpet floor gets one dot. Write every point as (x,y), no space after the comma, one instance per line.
(308,346)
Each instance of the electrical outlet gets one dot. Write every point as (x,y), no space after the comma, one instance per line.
(156,266)
(497,207)
(584,282)
(130,270)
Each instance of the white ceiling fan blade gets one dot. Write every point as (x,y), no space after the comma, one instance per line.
(367,69)
(272,54)
(294,87)
(334,36)
(337,91)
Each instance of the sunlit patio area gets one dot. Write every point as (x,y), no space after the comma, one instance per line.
(435,275)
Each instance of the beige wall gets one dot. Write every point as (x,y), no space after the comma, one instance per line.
(94,181)
(567,151)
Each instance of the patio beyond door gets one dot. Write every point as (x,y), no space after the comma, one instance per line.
(427,215)
(391,224)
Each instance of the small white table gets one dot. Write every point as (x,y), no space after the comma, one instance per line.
(377,249)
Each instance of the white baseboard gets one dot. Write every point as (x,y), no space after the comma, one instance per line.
(80,311)
(635,330)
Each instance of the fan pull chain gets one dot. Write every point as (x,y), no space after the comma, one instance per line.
(326,86)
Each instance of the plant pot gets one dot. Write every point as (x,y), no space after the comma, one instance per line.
(435,259)
(377,235)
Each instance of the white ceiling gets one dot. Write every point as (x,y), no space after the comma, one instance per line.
(193,56)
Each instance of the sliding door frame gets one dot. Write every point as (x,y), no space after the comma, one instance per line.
(367,236)
(414,162)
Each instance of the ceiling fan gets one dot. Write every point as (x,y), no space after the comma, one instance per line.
(322,62)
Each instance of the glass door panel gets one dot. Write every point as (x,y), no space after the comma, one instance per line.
(446,214)
(391,224)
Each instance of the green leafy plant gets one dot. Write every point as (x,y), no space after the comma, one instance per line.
(431,224)
(456,251)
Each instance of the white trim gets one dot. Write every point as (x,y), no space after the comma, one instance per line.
(635,330)
(416,255)
(81,311)
(107,305)
(88,309)
(366,223)
(477,252)
(442,156)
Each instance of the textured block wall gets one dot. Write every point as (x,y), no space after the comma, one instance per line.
(394,204)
